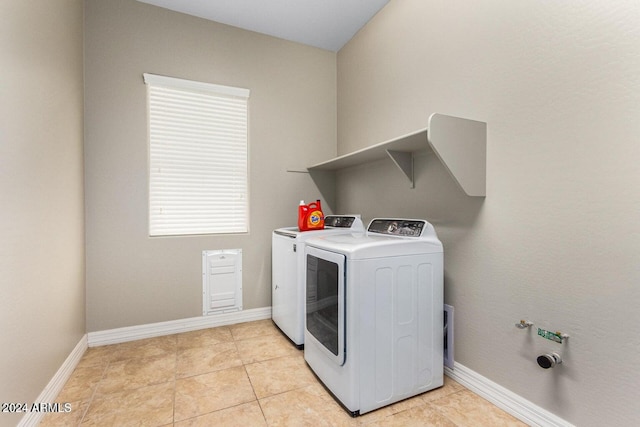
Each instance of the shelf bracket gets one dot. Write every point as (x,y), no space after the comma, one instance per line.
(404,161)
(461,146)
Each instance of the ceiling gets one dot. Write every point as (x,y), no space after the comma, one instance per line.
(326,24)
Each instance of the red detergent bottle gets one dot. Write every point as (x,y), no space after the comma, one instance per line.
(310,217)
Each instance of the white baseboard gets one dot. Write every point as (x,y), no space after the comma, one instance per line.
(51,390)
(131,333)
(506,400)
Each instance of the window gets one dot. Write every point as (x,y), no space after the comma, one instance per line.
(198,157)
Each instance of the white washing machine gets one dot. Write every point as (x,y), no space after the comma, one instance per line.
(373,331)
(288,271)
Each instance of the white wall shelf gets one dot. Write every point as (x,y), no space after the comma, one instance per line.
(460,144)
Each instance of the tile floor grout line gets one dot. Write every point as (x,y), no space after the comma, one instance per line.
(264,416)
(253,389)
(95,390)
(439,411)
(175,385)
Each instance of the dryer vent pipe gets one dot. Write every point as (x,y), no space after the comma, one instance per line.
(549,360)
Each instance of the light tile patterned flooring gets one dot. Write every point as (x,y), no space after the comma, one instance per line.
(247,374)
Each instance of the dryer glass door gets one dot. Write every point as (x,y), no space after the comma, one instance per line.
(326,301)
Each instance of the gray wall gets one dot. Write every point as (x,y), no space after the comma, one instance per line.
(133,279)
(557,238)
(42,303)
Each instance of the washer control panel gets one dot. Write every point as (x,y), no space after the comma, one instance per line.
(339,221)
(398,227)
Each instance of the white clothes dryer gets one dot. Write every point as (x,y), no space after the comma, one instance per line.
(288,271)
(373,331)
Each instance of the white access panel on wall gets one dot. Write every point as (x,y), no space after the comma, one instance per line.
(221,281)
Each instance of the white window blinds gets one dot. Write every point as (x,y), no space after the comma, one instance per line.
(198,157)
